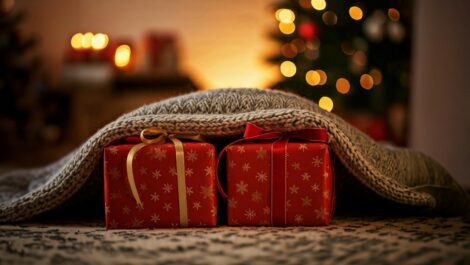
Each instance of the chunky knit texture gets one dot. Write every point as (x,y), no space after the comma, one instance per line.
(401,175)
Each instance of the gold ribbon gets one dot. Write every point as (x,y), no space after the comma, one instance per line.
(161,136)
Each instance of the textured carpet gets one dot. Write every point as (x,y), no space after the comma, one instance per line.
(365,240)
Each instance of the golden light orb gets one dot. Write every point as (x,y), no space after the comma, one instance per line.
(76,41)
(366,81)
(318,4)
(287,28)
(99,41)
(342,85)
(326,103)
(313,78)
(122,57)
(288,69)
(355,13)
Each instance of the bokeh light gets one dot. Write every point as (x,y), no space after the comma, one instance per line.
(326,103)
(286,16)
(355,13)
(99,41)
(366,81)
(393,14)
(287,28)
(288,69)
(122,56)
(342,85)
(313,78)
(376,76)
(318,4)
(76,41)
(329,18)
(289,50)
(323,77)
(86,40)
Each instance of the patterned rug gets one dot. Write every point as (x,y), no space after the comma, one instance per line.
(348,240)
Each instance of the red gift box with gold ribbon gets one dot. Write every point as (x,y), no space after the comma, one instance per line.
(160,184)
(280,179)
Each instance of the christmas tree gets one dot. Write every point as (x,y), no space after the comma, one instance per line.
(350,56)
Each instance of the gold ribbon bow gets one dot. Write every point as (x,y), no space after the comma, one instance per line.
(160,136)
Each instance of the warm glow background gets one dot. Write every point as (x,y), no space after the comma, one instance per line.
(222,43)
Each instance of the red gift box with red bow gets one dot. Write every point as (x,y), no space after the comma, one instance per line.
(155,177)
(280,179)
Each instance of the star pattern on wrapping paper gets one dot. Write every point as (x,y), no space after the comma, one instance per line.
(191,155)
(261,153)
(173,171)
(189,191)
(232,164)
(241,149)
(316,161)
(326,194)
(143,187)
(107,209)
(256,196)
(167,187)
(113,224)
(136,222)
(321,213)
(210,153)
(114,173)
(261,176)
(113,150)
(294,189)
(208,171)
(306,201)
(213,211)
(250,214)
(159,154)
(296,166)
(154,197)
(305,176)
(266,210)
(299,219)
(326,174)
(197,205)
(303,147)
(206,192)
(155,218)
(232,203)
(126,210)
(167,206)
(246,167)
(188,172)
(242,187)
(156,174)
(139,207)
(115,195)
(315,187)
(288,204)
(143,171)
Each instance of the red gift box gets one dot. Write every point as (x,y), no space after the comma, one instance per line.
(260,194)
(155,176)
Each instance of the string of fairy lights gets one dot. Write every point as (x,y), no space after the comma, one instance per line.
(310,48)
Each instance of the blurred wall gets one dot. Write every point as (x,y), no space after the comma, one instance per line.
(223,42)
(440,115)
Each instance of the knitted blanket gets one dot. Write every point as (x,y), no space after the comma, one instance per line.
(400,175)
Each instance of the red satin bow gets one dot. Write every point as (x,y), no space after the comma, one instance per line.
(278,164)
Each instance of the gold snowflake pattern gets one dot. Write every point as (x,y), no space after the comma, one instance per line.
(107,210)
(299,219)
(250,214)
(232,164)
(197,205)
(159,154)
(173,171)
(246,167)
(126,210)
(189,191)
(303,147)
(210,153)
(326,194)
(306,201)
(191,155)
(306,176)
(154,197)
(114,173)
(261,176)
(241,149)
(113,150)
(167,187)
(188,172)
(321,213)
(242,187)
(316,161)
(207,192)
(261,153)
(213,211)
(156,174)
(256,196)
(136,222)
(155,218)
(266,210)
(326,174)
(209,171)
(296,166)
(167,206)
(143,171)
(143,187)
(232,203)
(294,189)
(113,224)
(315,187)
